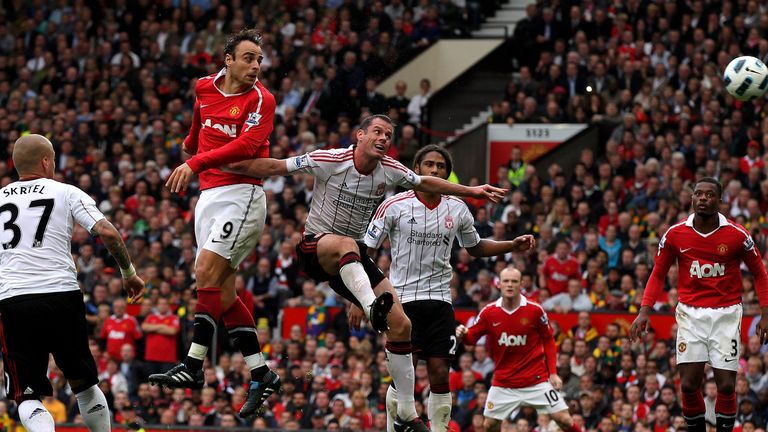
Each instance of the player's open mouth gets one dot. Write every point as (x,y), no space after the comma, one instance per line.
(380,147)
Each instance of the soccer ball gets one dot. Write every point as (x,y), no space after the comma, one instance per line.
(746,78)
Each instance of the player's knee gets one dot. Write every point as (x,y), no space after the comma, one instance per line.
(204,273)
(439,370)
(345,245)
(688,385)
(209,272)
(563,419)
(399,325)
(726,388)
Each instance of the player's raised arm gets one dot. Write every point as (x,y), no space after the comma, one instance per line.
(432,184)
(653,288)
(264,167)
(114,243)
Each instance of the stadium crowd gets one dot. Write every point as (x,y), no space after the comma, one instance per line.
(113,88)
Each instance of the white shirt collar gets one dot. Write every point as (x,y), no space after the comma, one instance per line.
(523,302)
(722,221)
(221,73)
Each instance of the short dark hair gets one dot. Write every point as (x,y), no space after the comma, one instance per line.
(368,120)
(434,148)
(712,180)
(234,40)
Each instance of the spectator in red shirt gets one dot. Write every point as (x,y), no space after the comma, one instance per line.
(119,329)
(161,328)
(752,158)
(558,268)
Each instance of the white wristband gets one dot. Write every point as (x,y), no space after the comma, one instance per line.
(296,163)
(129,272)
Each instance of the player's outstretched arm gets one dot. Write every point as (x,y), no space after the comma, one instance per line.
(114,243)
(437,185)
(488,247)
(259,168)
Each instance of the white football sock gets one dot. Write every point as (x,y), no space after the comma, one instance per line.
(94,409)
(35,417)
(401,369)
(391,408)
(354,277)
(439,411)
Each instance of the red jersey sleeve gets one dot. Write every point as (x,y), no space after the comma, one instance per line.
(255,136)
(663,261)
(478,330)
(548,339)
(754,262)
(190,142)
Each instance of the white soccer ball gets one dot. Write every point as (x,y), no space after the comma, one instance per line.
(746,78)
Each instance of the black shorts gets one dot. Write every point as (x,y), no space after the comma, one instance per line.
(35,325)
(306,251)
(433,328)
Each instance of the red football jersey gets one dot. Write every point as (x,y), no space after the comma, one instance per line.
(228,128)
(708,265)
(519,341)
(558,272)
(118,332)
(161,347)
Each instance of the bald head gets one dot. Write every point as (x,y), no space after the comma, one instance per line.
(33,155)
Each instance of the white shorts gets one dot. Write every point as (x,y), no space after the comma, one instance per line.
(503,403)
(709,335)
(229,220)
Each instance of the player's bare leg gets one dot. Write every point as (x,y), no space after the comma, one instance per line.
(565,421)
(691,380)
(725,405)
(340,255)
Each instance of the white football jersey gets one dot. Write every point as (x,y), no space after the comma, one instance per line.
(344,199)
(422,238)
(37,219)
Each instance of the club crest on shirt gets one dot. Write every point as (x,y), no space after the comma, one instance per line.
(490,405)
(524,321)
(380,189)
(722,248)
(682,347)
(448,222)
(234,111)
